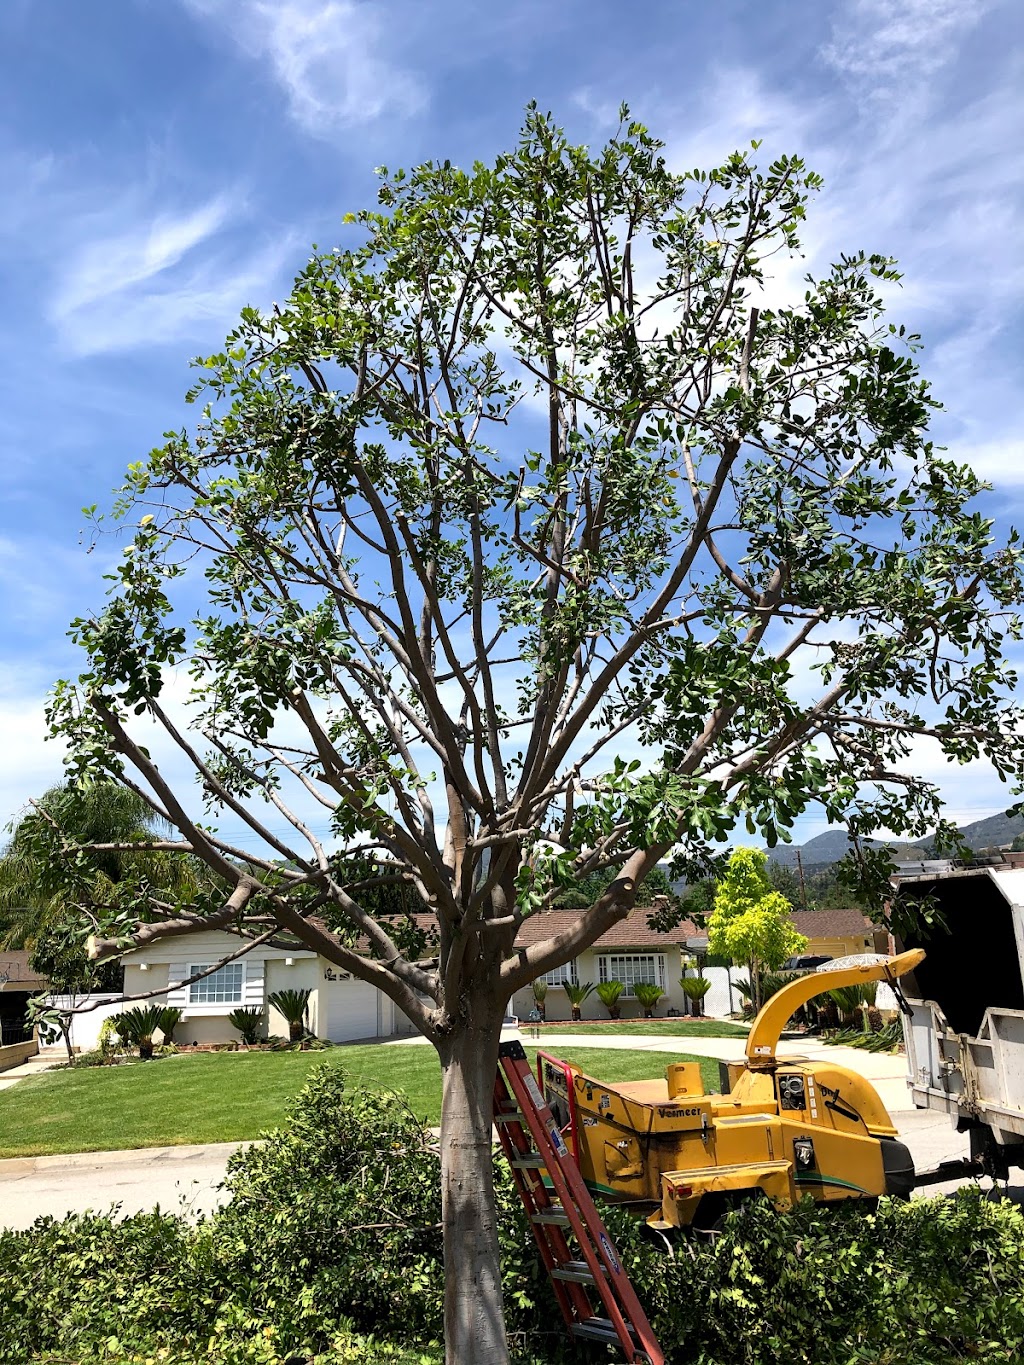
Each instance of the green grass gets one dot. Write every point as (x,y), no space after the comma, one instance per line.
(657,1028)
(231,1096)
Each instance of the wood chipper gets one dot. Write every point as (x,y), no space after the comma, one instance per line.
(787,1127)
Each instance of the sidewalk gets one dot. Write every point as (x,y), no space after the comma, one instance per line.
(35,1066)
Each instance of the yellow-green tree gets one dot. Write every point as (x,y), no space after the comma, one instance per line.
(750,922)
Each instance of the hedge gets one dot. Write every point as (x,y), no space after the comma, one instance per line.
(329,1250)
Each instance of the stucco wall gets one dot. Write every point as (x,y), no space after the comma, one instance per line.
(16,1053)
(301,975)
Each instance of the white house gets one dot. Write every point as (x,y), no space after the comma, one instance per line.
(341,1008)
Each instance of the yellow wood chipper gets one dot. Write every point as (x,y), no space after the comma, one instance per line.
(787,1127)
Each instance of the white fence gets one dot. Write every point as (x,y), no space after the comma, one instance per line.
(85,1028)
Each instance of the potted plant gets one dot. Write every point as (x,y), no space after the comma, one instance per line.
(540,994)
(608,993)
(648,994)
(695,988)
(292,1005)
(248,1022)
(576,995)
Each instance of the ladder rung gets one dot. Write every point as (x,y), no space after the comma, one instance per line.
(577,1271)
(529,1161)
(553,1217)
(509,1116)
(598,1329)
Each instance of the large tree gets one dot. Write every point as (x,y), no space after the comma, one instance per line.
(531,473)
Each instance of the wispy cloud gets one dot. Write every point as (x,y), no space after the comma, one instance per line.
(330,56)
(887,50)
(165,279)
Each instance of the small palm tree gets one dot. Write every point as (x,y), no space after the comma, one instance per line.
(577,994)
(170,1017)
(648,995)
(291,1004)
(248,1022)
(608,993)
(540,994)
(137,1026)
(695,988)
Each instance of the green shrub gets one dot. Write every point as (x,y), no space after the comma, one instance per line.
(248,1022)
(331,1235)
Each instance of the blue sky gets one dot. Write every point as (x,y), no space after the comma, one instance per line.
(165,162)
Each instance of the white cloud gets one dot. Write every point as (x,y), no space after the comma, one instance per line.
(887,50)
(110,265)
(329,56)
(170,276)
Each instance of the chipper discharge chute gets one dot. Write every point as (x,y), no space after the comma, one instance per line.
(787,1127)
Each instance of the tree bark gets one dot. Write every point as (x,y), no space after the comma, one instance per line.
(474,1320)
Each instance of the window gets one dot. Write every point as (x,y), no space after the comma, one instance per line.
(222,987)
(560,975)
(631,968)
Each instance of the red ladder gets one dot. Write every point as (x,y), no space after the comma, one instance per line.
(522,1113)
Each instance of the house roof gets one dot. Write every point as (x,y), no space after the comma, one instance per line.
(20,976)
(832,923)
(631,932)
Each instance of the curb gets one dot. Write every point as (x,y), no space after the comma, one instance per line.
(13,1167)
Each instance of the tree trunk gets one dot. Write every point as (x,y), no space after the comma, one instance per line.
(474,1319)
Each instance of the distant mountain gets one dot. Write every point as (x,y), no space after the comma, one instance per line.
(829,847)
(992,832)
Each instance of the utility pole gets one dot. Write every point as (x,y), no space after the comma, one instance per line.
(800,874)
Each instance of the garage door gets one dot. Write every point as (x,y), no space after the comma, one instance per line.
(351,1010)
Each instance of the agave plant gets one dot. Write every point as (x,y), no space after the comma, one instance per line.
(170,1017)
(291,1004)
(648,994)
(540,994)
(695,988)
(577,994)
(608,993)
(137,1026)
(248,1021)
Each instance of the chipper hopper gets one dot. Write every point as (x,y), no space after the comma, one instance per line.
(786,1128)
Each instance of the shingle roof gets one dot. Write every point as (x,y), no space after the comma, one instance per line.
(832,923)
(631,932)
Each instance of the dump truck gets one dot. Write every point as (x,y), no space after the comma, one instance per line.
(964,1032)
(783,1128)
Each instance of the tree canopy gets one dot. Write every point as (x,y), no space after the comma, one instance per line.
(529,539)
(751,921)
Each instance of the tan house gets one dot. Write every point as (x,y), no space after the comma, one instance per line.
(341,1008)
(839,933)
(630,952)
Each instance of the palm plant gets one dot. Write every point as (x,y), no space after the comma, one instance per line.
(850,999)
(695,988)
(648,994)
(576,995)
(248,1021)
(608,993)
(36,891)
(170,1017)
(292,1005)
(137,1026)
(540,994)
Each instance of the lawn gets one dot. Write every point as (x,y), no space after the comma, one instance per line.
(231,1096)
(657,1028)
